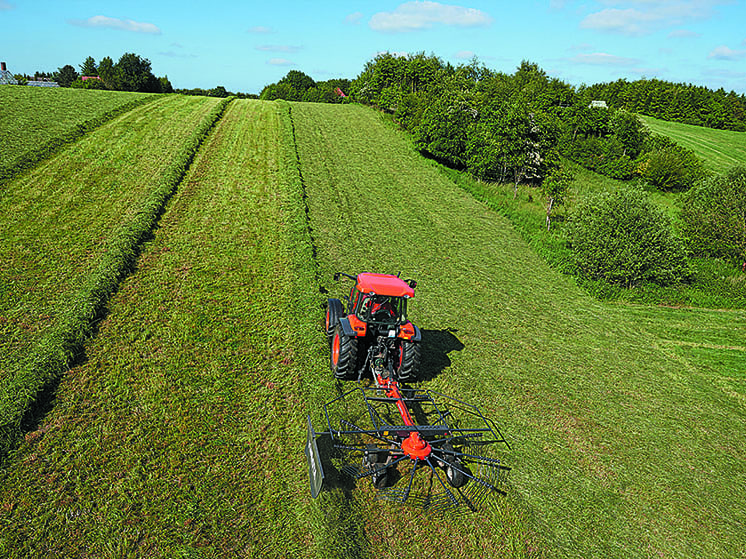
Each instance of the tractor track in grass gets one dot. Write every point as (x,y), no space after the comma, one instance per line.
(304,194)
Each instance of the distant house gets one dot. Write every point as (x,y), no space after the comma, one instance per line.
(598,105)
(86,78)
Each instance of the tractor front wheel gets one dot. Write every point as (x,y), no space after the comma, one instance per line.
(334,312)
(343,355)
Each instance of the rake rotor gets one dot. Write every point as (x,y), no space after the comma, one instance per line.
(416,446)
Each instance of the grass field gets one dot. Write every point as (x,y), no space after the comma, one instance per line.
(37,121)
(615,448)
(719,149)
(59,216)
(181,432)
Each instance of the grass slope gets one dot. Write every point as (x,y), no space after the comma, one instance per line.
(621,448)
(39,120)
(60,215)
(181,434)
(719,149)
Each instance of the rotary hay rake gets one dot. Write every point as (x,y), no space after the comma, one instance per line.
(416,446)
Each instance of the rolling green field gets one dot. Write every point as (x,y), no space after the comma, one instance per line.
(37,121)
(719,149)
(180,431)
(60,215)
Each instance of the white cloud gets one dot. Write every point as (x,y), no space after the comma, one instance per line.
(280,62)
(261,30)
(628,22)
(683,34)
(726,53)
(642,17)
(278,48)
(173,54)
(464,55)
(603,59)
(354,18)
(418,15)
(115,23)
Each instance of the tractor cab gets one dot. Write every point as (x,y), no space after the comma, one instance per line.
(380,299)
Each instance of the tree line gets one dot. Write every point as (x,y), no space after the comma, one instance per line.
(675,102)
(130,73)
(518,128)
(298,86)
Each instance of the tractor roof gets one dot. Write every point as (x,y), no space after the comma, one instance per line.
(384,284)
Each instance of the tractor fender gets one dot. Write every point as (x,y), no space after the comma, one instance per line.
(417,334)
(347,328)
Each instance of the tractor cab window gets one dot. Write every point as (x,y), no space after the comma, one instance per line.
(382,309)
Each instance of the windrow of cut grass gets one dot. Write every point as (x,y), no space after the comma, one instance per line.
(719,149)
(182,432)
(58,217)
(621,448)
(82,217)
(37,121)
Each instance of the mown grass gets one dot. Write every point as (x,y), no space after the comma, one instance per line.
(37,121)
(621,446)
(84,230)
(182,433)
(59,216)
(719,149)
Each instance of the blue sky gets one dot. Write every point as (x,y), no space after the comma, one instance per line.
(247,45)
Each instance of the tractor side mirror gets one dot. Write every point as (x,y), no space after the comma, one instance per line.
(412,283)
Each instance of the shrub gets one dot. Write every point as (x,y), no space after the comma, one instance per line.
(623,238)
(714,215)
(671,167)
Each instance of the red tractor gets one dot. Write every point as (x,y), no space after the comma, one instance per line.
(374,332)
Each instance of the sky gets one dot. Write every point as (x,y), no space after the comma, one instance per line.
(246,45)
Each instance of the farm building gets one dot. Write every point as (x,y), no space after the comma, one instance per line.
(42,83)
(598,105)
(6,78)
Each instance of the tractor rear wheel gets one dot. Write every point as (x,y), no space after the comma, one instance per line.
(334,312)
(343,355)
(409,361)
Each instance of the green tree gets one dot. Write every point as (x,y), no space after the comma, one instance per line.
(107,73)
(714,216)
(624,238)
(166,86)
(65,76)
(555,187)
(630,132)
(88,68)
(133,73)
(299,81)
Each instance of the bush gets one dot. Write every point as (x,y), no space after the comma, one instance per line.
(625,239)
(671,167)
(88,84)
(714,215)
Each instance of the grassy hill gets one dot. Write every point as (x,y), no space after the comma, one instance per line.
(719,149)
(180,432)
